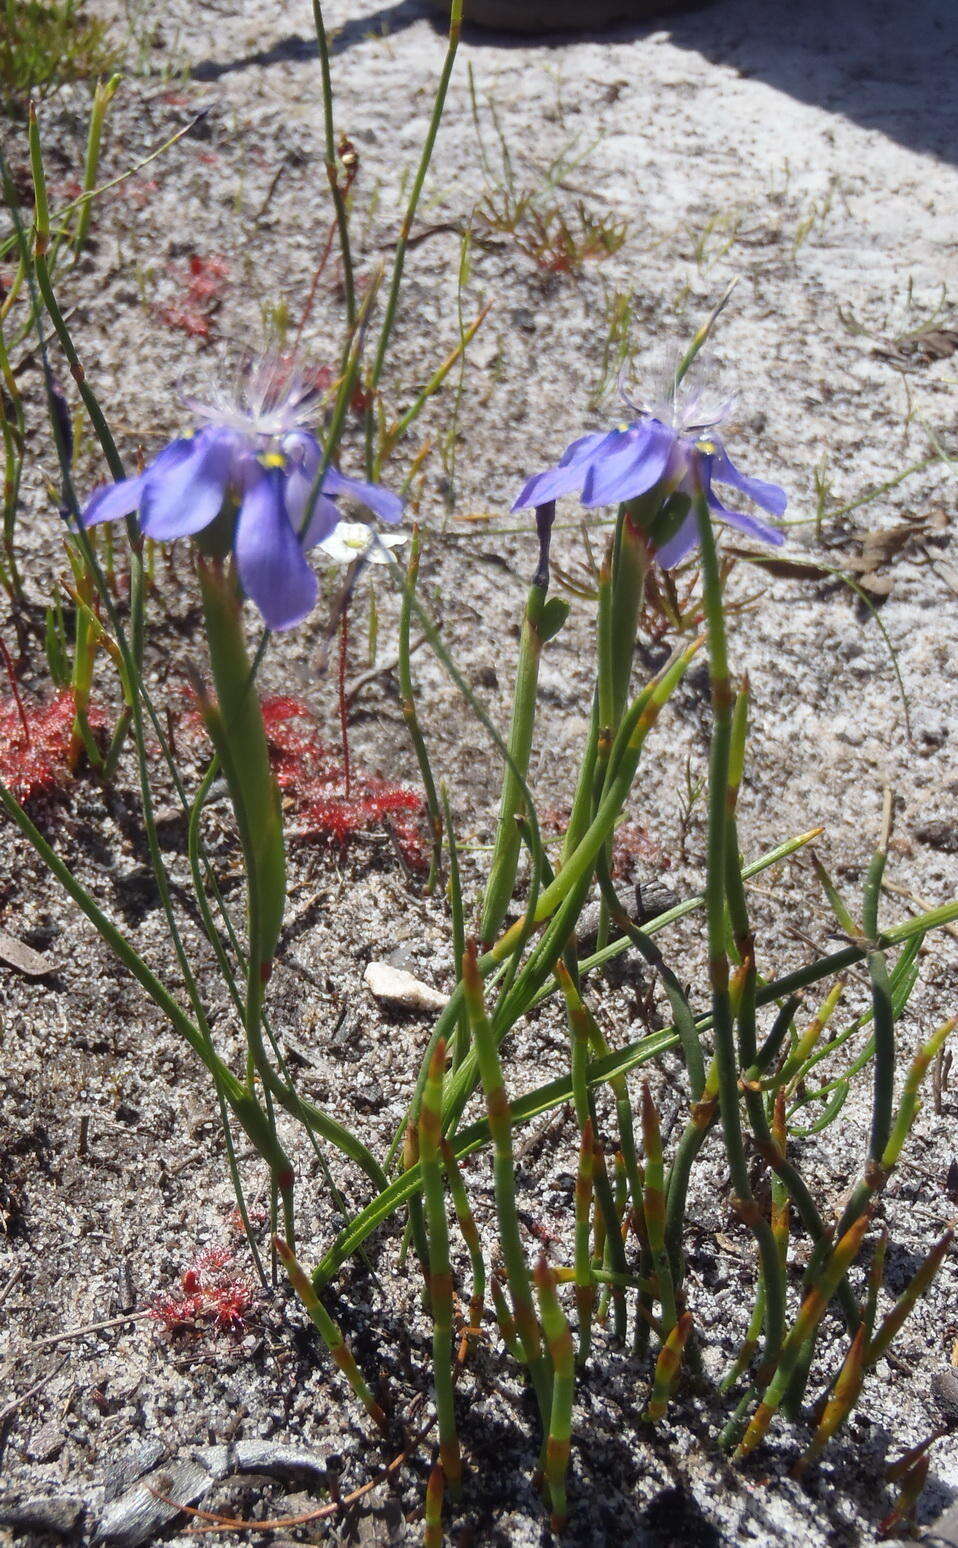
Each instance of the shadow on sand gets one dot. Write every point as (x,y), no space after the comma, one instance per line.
(886,65)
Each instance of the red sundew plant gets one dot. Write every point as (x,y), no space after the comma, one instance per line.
(312,778)
(38,751)
(632,845)
(200,290)
(212,1295)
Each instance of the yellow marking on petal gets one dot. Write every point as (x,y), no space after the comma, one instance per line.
(273,460)
(708,447)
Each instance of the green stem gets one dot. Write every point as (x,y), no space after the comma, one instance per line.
(715,895)
(510,1240)
(505,854)
(407,700)
(605,1070)
(558,1339)
(392,299)
(440,1273)
(339,202)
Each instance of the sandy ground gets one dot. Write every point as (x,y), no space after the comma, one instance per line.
(817,162)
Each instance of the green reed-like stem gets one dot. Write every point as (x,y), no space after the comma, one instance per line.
(584,1288)
(909,1105)
(803,1330)
(235,724)
(908,1298)
(542,620)
(790,1073)
(623,1111)
(470,1234)
(102,97)
(780,1199)
(506,1322)
(715,893)
(653,1208)
(510,1240)
(13,429)
(458,922)
(440,1272)
(667,1368)
(432,1512)
(417,1212)
(558,1338)
(620,1063)
(746,1354)
(683,1019)
(585,1031)
(448,1018)
(613,1253)
(405,231)
(332,170)
(842,1400)
(884,1014)
(630,566)
(407,701)
(579,1026)
(329,1331)
(876,1174)
(636,726)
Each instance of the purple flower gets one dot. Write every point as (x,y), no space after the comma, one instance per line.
(672,450)
(256,460)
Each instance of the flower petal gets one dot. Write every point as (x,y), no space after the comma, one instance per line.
(769,496)
(679,544)
(269,557)
(584,446)
(354,540)
(324,516)
(183,494)
(633,469)
(569,474)
(749,524)
(388,507)
(111,501)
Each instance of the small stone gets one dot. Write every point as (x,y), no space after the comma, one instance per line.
(939,833)
(16,954)
(944,1387)
(47,1442)
(121,1474)
(58,1513)
(279,1461)
(485,676)
(394,986)
(142,1512)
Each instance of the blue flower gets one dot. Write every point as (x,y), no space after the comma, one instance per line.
(671,450)
(258,459)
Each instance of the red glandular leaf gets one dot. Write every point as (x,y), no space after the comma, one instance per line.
(312,778)
(37,755)
(631,844)
(199,288)
(211,1294)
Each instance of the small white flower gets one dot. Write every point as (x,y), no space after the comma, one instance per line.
(351,540)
